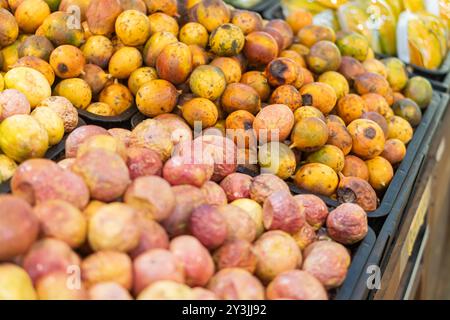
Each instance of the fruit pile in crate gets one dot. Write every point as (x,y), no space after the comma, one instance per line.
(159,211)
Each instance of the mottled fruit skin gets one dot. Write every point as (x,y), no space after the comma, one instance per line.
(152,236)
(315,210)
(319,95)
(347,223)
(380,173)
(230,68)
(329,155)
(339,136)
(328,261)
(355,167)
(157,42)
(350,68)
(208,225)
(248,21)
(236,253)
(143,162)
(257,81)
(62,221)
(214,194)
(357,190)
(47,256)
(151,196)
(288,95)
(377,103)
(236,186)
(368,138)
(113,227)
(238,96)
(394,151)
(59,28)
(378,118)
(207,82)
(9,29)
(272,261)
(282,71)
(297,285)
(197,262)
(311,34)
(309,134)
(174,63)
(264,185)
(227,40)
(236,284)
(155,265)
(210,13)
(40,180)
(153,135)
(419,89)
(19,227)
(156,97)
(104,183)
(107,266)
(101,16)
(373,83)
(239,223)
(354,45)
(408,110)
(200,112)
(13,102)
(317,178)
(282,212)
(323,56)
(274,123)
(182,170)
(67,61)
(397,75)
(350,107)
(187,198)
(79,135)
(260,48)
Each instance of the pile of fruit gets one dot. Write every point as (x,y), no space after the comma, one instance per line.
(125,223)
(414,30)
(159,211)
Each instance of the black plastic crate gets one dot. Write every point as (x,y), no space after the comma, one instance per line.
(387,235)
(403,170)
(360,254)
(122,120)
(136,119)
(54,153)
(273,12)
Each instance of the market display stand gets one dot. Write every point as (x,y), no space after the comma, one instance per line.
(406,262)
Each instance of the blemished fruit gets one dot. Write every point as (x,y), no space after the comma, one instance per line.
(419,89)
(309,134)
(30,82)
(194,33)
(22,138)
(132,27)
(238,96)
(207,82)
(323,56)
(368,138)
(354,45)
(67,61)
(260,48)
(51,122)
(317,178)
(156,97)
(227,40)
